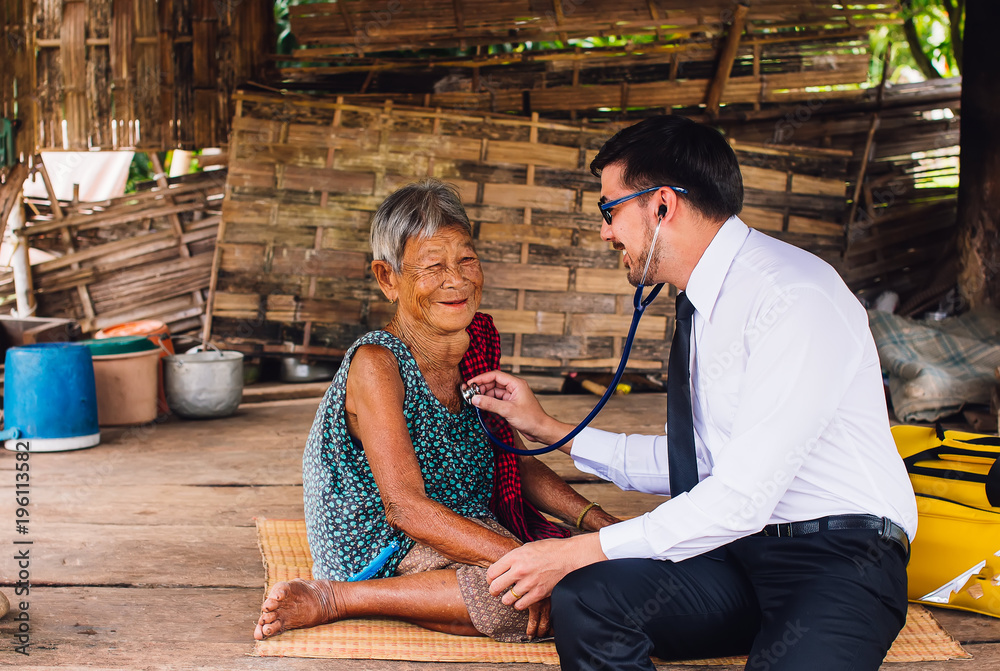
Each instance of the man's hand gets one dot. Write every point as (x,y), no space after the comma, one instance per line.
(529,573)
(512,398)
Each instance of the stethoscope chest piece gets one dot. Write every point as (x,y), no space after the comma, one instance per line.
(467,394)
(639,303)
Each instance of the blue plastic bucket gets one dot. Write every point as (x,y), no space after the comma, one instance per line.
(50,399)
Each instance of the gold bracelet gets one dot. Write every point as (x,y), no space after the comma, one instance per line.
(579,520)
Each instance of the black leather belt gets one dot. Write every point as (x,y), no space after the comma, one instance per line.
(888,529)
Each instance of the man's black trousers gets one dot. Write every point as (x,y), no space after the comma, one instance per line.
(833,600)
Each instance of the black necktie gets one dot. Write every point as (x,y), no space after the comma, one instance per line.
(680,423)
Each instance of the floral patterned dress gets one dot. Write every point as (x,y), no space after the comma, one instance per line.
(347,530)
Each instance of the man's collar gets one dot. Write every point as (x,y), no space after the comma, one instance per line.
(706,279)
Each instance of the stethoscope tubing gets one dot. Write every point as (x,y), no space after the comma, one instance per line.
(639,306)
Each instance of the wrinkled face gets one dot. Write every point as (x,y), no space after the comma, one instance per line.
(631,228)
(441,281)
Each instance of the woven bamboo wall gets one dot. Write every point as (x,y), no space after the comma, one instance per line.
(603,83)
(354,26)
(306,174)
(112,74)
(903,235)
(16,73)
(146,255)
(359,48)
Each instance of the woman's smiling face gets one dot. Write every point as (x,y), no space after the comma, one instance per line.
(441,281)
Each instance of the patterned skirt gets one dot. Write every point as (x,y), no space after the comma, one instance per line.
(489,615)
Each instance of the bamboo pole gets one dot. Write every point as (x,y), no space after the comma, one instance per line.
(12,215)
(175,222)
(319,54)
(10,192)
(58,215)
(324,199)
(866,155)
(525,247)
(726,59)
(20,264)
(180,164)
(213,278)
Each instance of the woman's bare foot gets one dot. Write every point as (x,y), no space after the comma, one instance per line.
(296,604)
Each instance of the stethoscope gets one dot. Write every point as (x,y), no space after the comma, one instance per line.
(639,306)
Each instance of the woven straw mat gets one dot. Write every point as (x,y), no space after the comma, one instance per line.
(285,553)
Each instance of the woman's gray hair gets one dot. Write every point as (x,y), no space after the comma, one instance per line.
(418,209)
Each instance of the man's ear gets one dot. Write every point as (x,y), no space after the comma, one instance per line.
(387,279)
(666,203)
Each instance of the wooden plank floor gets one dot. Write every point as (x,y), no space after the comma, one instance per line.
(144,554)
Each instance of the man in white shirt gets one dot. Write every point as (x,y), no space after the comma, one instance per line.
(787,532)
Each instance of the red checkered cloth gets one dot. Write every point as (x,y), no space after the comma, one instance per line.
(507,502)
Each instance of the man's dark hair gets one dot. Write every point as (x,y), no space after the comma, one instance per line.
(670,150)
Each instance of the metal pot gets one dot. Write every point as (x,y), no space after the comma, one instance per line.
(204,384)
(294,369)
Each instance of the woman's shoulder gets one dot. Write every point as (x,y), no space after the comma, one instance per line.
(380,344)
(379,358)
(373,355)
(377,349)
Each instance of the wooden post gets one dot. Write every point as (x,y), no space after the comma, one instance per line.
(525,247)
(204,39)
(866,155)
(168,114)
(20,264)
(979,189)
(12,211)
(83,292)
(73,53)
(213,282)
(324,200)
(123,65)
(11,192)
(726,58)
(180,163)
(177,227)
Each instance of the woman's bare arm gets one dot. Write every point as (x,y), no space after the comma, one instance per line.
(551,494)
(374,405)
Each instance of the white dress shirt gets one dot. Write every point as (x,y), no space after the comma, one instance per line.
(790,419)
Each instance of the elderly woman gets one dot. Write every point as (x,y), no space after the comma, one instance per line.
(397,473)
